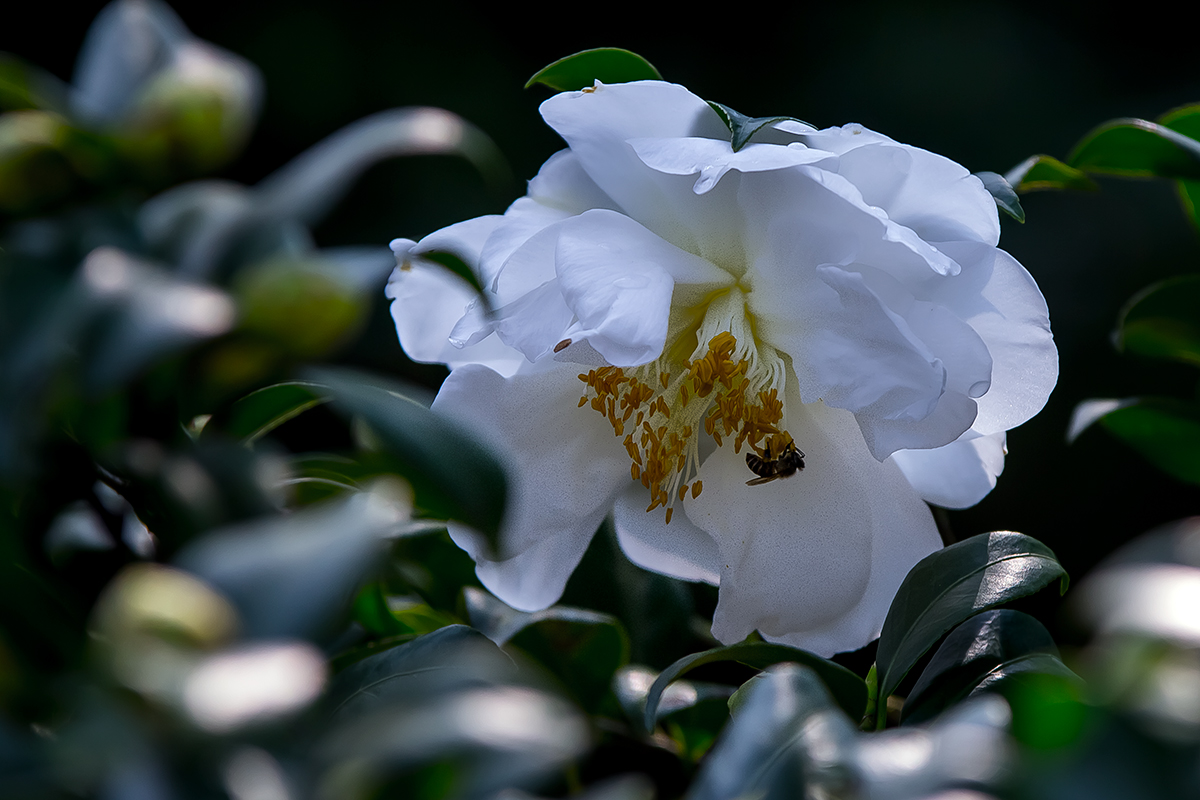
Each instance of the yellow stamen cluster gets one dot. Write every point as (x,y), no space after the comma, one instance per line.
(663,444)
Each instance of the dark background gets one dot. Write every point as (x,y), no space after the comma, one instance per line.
(984,83)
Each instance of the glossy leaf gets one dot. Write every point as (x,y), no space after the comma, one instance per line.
(451,658)
(262,411)
(437,458)
(947,587)
(1004,195)
(582,648)
(1163,321)
(1002,677)
(1137,148)
(969,655)
(743,128)
(1042,172)
(605,64)
(846,687)
(764,751)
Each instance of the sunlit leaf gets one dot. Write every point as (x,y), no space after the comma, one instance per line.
(1163,321)
(968,657)
(604,64)
(743,128)
(436,457)
(1046,172)
(947,587)
(1002,677)
(764,749)
(1004,195)
(846,687)
(1137,148)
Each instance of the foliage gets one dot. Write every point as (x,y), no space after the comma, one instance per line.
(224,564)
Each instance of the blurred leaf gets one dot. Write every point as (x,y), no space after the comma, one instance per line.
(605,64)
(1046,172)
(436,457)
(127,44)
(970,655)
(743,128)
(449,659)
(1165,431)
(459,267)
(955,583)
(307,187)
(763,751)
(1048,711)
(1184,119)
(22,85)
(372,612)
(145,314)
(1163,321)
(582,648)
(1137,148)
(263,410)
(1189,197)
(846,687)
(307,306)
(1004,195)
(295,576)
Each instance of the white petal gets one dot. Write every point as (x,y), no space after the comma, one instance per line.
(598,124)
(999,299)
(561,189)
(680,550)
(930,194)
(617,278)
(812,560)
(463,239)
(957,475)
(427,302)
(563,464)
(712,158)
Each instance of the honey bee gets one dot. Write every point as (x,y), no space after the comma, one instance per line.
(789,462)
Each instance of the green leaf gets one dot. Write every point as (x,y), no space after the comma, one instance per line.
(1137,148)
(23,85)
(1002,192)
(262,411)
(764,752)
(968,657)
(1164,430)
(441,462)
(849,689)
(1189,197)
(955,583)
(1003,677)
(1185,120)
(1163,321)
(1041,172)
(743,128)
(459,267)
(451,658)
(604,64)
(295,576)
(582,648)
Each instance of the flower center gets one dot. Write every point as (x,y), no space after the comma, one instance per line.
(729,389)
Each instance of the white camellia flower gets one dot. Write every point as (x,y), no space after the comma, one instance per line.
(762,363)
